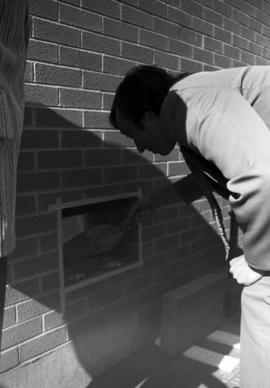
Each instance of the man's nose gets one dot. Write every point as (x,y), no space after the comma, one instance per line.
(140,148)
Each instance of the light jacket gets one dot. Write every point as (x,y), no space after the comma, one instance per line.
(227,122)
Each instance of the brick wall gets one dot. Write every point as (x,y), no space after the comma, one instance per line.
(78,52)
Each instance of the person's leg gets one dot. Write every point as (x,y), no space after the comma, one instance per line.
(3,281)
(255,335)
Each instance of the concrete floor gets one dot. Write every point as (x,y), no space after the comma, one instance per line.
(213,363)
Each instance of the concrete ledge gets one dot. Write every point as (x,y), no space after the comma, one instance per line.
(191,312)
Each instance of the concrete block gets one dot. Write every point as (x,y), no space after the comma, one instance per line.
(191,312)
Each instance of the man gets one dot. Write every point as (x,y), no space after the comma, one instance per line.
(221,121)
(14,32)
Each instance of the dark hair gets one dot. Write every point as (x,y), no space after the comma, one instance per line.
(142,89)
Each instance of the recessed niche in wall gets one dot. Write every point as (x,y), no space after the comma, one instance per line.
(93,240)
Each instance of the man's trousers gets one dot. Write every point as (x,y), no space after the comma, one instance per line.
(255,335)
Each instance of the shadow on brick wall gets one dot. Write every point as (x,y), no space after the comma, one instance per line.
(61,159)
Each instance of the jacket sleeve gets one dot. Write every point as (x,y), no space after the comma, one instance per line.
(223,127)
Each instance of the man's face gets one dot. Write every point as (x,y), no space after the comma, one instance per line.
(152,136)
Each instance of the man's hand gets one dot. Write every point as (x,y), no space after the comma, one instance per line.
(242,272)
(141,212)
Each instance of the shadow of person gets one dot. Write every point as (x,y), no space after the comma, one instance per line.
(60,159)
(149,368)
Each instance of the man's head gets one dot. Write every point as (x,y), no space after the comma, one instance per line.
(136,108)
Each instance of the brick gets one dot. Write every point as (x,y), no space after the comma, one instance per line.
(100,43)
(154,40)
(248,33)
(58,118)
(117,66)
(104,7)
(107,100)
(43,344)
(35,224)
(38,181)
(120,30)
(53,319)
(82,178)
(44,9)
(33,139)
(138,53)
(59,159)
(120,174)
(179,253)
(102,317)
(240,42)
(248,58)
(26,162)
(166,272)
(42,51)
(137,284)
(176,168)
(24,248)
(179,17)
(48,242)
(213,45)
(178,225)
(165,244)
(166,28)
(101,158)
(96,120)
(192,8)
(29,72)
(137,17)
(213,17)
(36,265)
(221,61)
(130,157)
(166,60)
(9,317)
(224,36)
(153,171)
(47,199)
(80,59)
(80,18)
(153,232)
(153,7)
(191,37)
(14,335)
(99,81)
(165,214)
(80,139)
(240,17)
(255,49)
(53,32)
(57,75)
(39,94)
(83,292)
(232,52)
(202,26)
(104,298)
(82,99)
(231,25)
(50,282)
(9,360)
(223,8)
(255,26)
(30,309)
(21,290)
(180,48)
(74,2)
